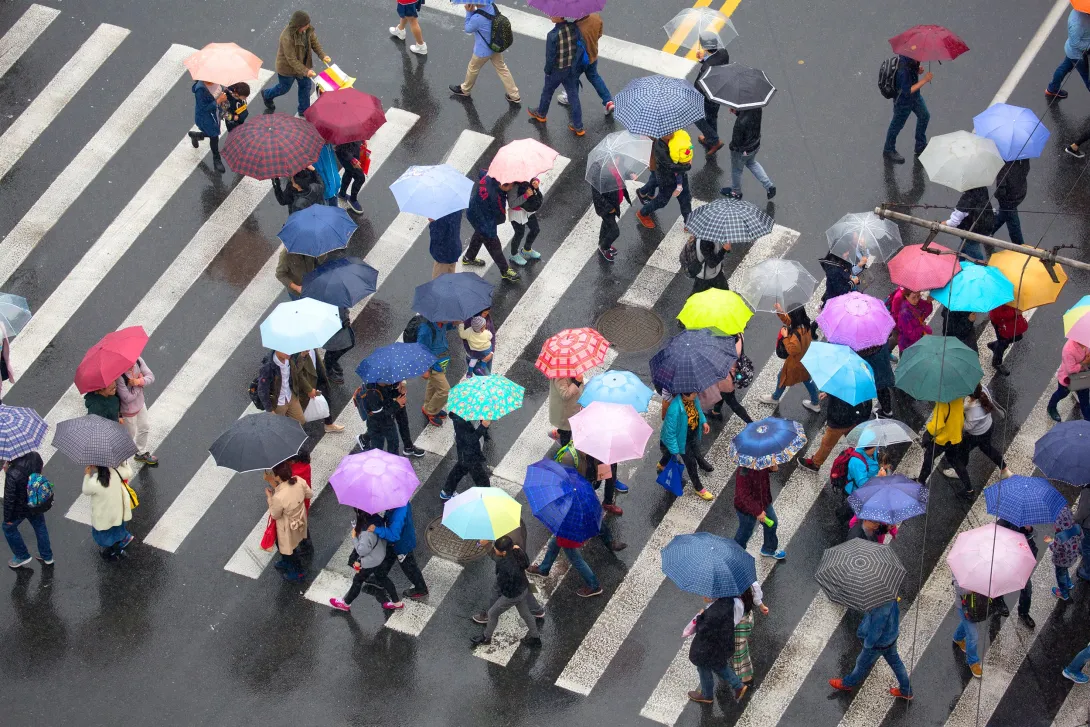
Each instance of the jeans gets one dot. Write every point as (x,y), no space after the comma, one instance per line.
(596,81)
(283,85)
(811,389)
(1084,567)
(1063,580)
(531,229)
(1013,222)
(746,524)
(901,113)
(1066,67)
(869,657)
(665,192)
(608,232)
(1080,660)
(707,679)
(966,631)
(574,557)
(15,539)
(1062,392)
(709,125)
(740,161)
(570,82)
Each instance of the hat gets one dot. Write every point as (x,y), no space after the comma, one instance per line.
(477,324)
(709,41)
(298,19)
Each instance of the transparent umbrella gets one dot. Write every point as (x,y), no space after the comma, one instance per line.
(777,281)
(621,155)
(863,235)
(880,433)
(688,27)
(14,314)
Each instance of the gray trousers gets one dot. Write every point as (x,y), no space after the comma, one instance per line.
(522,602)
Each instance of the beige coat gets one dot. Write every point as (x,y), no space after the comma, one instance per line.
(563,402)
(796,342)
(287,509)
(110,505)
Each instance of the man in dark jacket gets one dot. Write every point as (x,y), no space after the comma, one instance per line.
(445,244)
(381,430)
(17,474)
(302,190)
(843,417)
(1026,595)
(349,157)
(709,55)
(712,649)
(878,631)
(467,445)
(838,277)
(399,531)
(908,100)
(563,66)
(668,179)
(487,210)
(973,213)
(607,205)
(1009,193)
(294,61)
(513,587)
(745,142)
(592,29)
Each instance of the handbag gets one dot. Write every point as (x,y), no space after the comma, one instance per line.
(317,408)
(1079,381)
(268,538)
(133,499)
(670,477)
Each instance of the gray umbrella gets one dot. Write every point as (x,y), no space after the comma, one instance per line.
(860,574)
(258,442)
(93,440)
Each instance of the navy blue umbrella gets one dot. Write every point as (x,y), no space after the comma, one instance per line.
(394,363)
(1024,500)
(342,282)
(453,297)
(1061,454)
(766,442)
(317,230)
(561,499)
(708,565)
(692,361)
(891,499)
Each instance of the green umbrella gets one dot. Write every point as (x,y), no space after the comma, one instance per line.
(485,397)
(938,368)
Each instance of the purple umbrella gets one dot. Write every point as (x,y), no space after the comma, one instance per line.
(374,481)
(568,8)
(856,320)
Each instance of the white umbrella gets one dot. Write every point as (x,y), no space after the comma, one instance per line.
(961,160)
(300,325)
(690,24)
(856,236)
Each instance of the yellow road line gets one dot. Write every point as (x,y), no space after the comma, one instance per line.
(679,35)
(727,9)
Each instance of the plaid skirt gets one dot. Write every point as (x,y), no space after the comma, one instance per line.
(740,661)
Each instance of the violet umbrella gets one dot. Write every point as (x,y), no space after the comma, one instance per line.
(991,560)
(374,481)
(568,8)
(610,433)
(856,320)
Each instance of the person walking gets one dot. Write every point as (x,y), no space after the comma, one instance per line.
(607,205)
(753,502)
(565,61)
(7,373)
(792,344)
(573,549)
(683,426)
(445,243)
(881,363)
(973,608)
(487,210)
(478,23)
(207,114)
(1010,325)
(433,336)
(564,403)
(960,325)
(843,417)
(234,110)
(977,433)
(397,529)
(908,101)
(294,61)
(862,467)
(133,409)
(878,631)
(1010,191)
(352,178)
(1074,359)
(17,474)
(471,461)
(745,142)
(840,277)
(381,430)
(709,54)
(1075,50)
(285,495)
(710,255)
(740,660)
(598,473)
(973,213)
(337,346)
(1073,147)
(397,394)
(669,178)
(302,190)
(592,29)
(1073,671)
(111,508)
(712,649)
(292,267)
(943,436)
(104,402)
(728,388)
(1026,594)
(313,381)
(518,541)
(911,311)
(408,13)
(514,591)
(1065,546)
(286,393)
(523,201)
(326,169)
(374,563)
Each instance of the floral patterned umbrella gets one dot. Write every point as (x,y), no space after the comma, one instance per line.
(485,398)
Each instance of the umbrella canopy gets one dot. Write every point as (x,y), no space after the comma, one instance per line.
(1033,286)
(346,115)
(453,297)
(914,268)
(482,513)
(342,282)
(563,501)
(374,481)
(485,398)
(21,431)
(729,220)
(432,192)
(1016,131)
(93,440)
(856,320)
(938,368)
(961,160)
(109,358)
(693,27)
(657,106)
(317,230)
(610,433)
(708,565)
(272,145)
(617,387)
(1075,313)
(394,363)
(891,499)
(572,353)
(880,433)
(14,314)
(692,361)
(258,442)
(766,442)
(860,574)
(838,371)
(621,155)
(928,43)
(860,235)
(977,288)
(1080,331)
(1060,453)
(737,86)
(1024,500)
(1083,6)
(721,312)
(776,281)
(300,325)
(991,560)
(223,63)
(521,161)
(568,8)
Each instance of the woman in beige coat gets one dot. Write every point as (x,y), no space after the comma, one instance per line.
(286,496)
(563,404)
(796,337)
(111,507)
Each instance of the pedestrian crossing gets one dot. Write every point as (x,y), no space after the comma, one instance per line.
(23,33)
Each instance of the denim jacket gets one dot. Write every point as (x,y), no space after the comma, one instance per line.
(880,626)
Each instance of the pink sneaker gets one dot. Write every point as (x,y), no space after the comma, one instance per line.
(339,604)
(389,606)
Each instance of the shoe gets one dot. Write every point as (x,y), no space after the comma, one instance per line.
(960,644)
(442,414)
(772,191)
(481,617)
(610,108)
(364,443)
(1002,609)
(510,98)
(128,539)
(531,254)
(808,463)
(535,115)
(1026,619)
(391,606)
(778,555)
(195,138)
(562,99)
(456,89)
(217,164)
(536,571)
(1076,676)
(518,259)
(45,561)
(608,255)
(621,487)
(1055,415)
(474,263)
(420,50)
(811,405)
(949,472)
(728,192)
(645,198)
(714,413)
(1061,94)
(839,684)
(444,496)
(336,378)
(1005,473)
(697,696)
(531,641)
(968,494)
(1000,368)
(645,220)
(587,592)
(703,494)
(977,670)
(704,465)
(580,131)
(768,399)
(270,105)
(659,467)
(893,157)
(480,641)
(15,563)
(334,428)
(536,614)
(354,206)
(414,595)
(1069,149)
(339,604)
(399,33)
(412,451)
(713,149)
(613,510)
(899,694)
(148,458)
(740,692)
(510,275)
(1060,594)
(617,547)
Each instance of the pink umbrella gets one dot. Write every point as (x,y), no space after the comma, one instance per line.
(1080,332)
(374,481)
(521,161)
(991,573)
(914,269)
(610,432)
(856,320)
(223,63)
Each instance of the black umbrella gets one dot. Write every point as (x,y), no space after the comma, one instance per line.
(93,440)
(737,86)
(860,574)
(258,442)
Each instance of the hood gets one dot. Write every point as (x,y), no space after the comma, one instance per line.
(298,19)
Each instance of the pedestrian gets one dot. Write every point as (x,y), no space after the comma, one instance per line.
(292,267)
(513,590)
(379,415)
(1065,545)
(753,503)
(878,631)
(592,29)
(912,312)
(478,339)
(710,255)
(566,59)
(313,380)
(979,424)
(709,54)
(1082,517)
(326,168)
(523,201)
(840,277)
(487,210)
(1026,593)
(683,426)
(373,557)
(1073,147)
(741,661)
(111,507)
(942,436)
(433,336)
(669,178)
(728,387)
(973,213)
(1010,190)
(303,189)
(104,402)
(286,392)
(791,345)
(959,324)
(234,109)
(564,393)
(908,101)
(843,417)
(207,114)
(285,494)
(973,609)
(518,541)
(397,529)
(467,447)
(871,530)
(445,243)
(1010,325)
(1074,359)
(573,549)
(17,474)
(880,360)
(337,346)
(1075,50)
(6,371)
(863,465)
(598,473)
(713,649)
(134,411)
(294,61)
(1073,671)
(408,13)
(396,393)
(352,177)
(745,142)
(607,205)
(478,23)
(300,467)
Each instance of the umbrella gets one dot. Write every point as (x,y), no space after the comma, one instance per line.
(109,358)
(914,268)
(928,43)
(1075,313)
(485,398)
(258,442)
(729,220)
(620,156)
(692,361)
(572,353)
(568,8)
(977,288)
(1024,500)
(432,192)
(775,282)
(1060,453)
(93,440)
(453,297)
(300,325)
(617,387)
(891,499)
(840,372)
(563,501)
(658,106)
(223,63)
(880,433)
(859,235)
(396,362)
(1016,131)
(938,368)
(342,282)
(961,160)
(272,145)
(14,314)
(856,320)
(374,481)
(610,433)
(317,230)
(1080,331)
(521,161)
(21,431)
(766,442)
(346,115)
(991,560)
(737,86)
(1033,286)
(722,312)
(482,513)
(691,26)
(708,565)
(860,574)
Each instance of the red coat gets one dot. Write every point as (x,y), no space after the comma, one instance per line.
(302,470)
(752,491)
(1008,321)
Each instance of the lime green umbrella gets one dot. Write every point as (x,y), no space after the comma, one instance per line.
(722,312)
(485,397)
(938,368)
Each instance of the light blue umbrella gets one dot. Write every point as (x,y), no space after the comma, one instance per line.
(840,372)
(617,387)
(432,192)
(1016,131)
(300,325)
(977,289)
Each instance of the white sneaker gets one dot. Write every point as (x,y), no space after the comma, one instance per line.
(400,34)
(420,50)
(811,405)
(767,399)
(950,472)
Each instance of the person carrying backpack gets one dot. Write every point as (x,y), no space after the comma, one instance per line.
(843,417)
(607,205)
(709,256)
(592,29)
(908,100)
(482,20)
(745,142)
(669,178)
(566,58)
(487,210)
(18,473)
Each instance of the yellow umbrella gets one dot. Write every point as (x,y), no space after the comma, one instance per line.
(1032,284)
(722,311)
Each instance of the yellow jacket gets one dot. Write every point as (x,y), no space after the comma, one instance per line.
(946,422)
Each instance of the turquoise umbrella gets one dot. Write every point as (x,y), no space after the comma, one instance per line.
(485,398)
(840,372)
(976,289)
(938,368)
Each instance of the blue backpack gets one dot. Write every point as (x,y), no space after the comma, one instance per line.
(39,492)
(581,59)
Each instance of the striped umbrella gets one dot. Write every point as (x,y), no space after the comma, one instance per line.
(657,106)
(860,574)
(729,220)
(21,431)
(93,440)
(571,353)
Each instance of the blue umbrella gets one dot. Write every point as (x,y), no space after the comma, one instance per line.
(617,387)
(656,105)
(1016,131)
(1061,454)
(708,565)
(766,442)
(692,361)
(892,499)
(300,325)
(21,431)
(317,230)
(432,192)
(342,282)
(839,371)
(453,297)
(394,363)
(1024,500)
(976,289)
(561,499)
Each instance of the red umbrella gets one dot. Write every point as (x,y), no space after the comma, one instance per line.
(272,145)
(346,115)
(572,353)
(109,358)
(914,269)
(928,43)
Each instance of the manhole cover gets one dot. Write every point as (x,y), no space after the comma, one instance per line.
(628,328)
(444,543)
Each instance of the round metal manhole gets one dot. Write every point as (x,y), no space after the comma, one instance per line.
(444,543)
(628,328)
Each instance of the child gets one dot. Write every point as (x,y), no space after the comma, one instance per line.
(1065,549)
(349,156)
(234,108)
(523,202)
(408,13)
(479,340)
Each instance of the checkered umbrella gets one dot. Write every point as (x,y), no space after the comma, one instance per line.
(657,106)
(708,565)
(273,145)
(729,220)
(21,431)
(93,440)
(572,353)
(860,574)
(737,86)
(1024,500)
(692,361)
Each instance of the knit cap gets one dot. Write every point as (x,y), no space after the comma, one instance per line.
(477,323)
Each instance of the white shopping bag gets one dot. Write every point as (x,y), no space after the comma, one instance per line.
(318,408)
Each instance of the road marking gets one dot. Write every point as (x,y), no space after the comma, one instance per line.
(678,36)
(727,9)
(1031,51)
(22,35)
(1075,711)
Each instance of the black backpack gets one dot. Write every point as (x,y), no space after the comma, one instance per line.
(260,390)
(502,35)
(689,261)
(975,606)
(412,328)
(887,76)
(533,202)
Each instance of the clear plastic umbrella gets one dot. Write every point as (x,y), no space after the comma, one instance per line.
(880,433)
(687,27)
(14,314)
(621,155)
(777,281)
(863,235)
(961,160)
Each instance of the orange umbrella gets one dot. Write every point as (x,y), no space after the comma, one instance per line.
(223,63)
(1033,286)
(1083,6)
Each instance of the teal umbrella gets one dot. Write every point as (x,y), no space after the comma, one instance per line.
(938,368)
(976,289)
(485,397)
(840,372)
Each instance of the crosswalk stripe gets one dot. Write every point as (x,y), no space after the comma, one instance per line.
(22,35)
(1075,711)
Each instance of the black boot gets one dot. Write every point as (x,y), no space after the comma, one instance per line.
(195,138)
(704,464)
(217,164)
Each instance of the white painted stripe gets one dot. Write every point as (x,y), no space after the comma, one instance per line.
(56,94)
(1031,51)
(22,35)
(91,159)
(1075,711)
